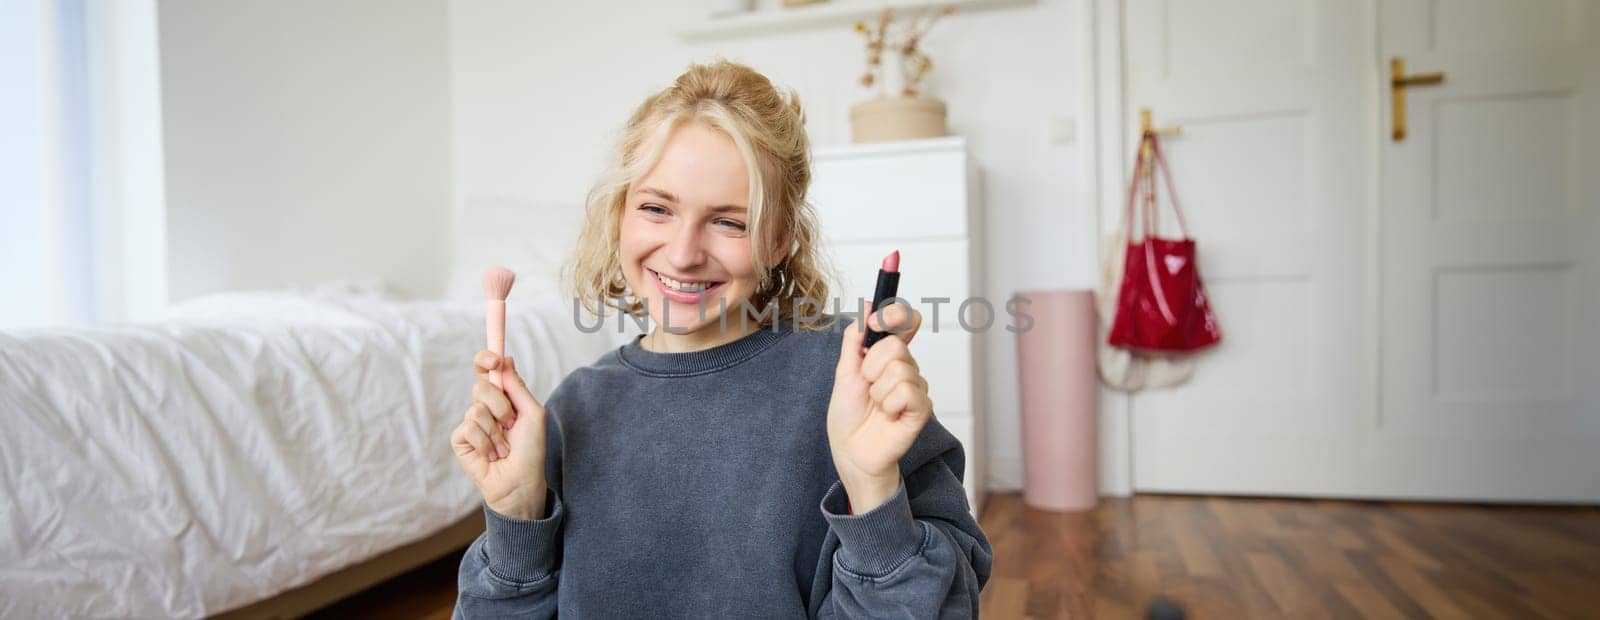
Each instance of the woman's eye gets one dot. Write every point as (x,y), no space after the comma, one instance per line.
(653,209)
(732,224)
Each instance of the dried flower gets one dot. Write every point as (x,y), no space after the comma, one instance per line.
(914,65)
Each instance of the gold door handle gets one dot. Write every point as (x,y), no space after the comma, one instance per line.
(1146,126)
(1398,81)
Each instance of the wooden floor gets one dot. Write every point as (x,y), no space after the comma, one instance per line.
(1234,558)
(427,593)
(1280,558)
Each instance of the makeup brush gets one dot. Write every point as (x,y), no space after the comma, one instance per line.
(496,286)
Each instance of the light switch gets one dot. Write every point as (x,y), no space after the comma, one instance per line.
(1063,130)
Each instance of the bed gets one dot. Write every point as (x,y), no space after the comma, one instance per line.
(255,453)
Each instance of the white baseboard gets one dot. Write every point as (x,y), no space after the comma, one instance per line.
(1005,474)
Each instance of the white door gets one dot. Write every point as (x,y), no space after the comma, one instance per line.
(1345,298)
(1490,227)
(1273,169)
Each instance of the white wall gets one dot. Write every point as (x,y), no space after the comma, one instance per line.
(539,89)
(305,141)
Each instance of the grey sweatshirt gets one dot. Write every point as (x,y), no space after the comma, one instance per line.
(701,485)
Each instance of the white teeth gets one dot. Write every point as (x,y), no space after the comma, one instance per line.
(684,287)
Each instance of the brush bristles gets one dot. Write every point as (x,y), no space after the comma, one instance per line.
(497,283)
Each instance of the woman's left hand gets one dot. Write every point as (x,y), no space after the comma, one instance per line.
(880,404)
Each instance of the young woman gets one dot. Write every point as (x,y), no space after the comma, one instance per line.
(738,460)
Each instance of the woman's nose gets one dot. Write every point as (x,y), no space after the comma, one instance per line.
(686,251)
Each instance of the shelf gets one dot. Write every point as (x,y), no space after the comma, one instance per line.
(831,13)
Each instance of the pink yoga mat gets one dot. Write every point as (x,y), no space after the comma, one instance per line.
(1060,401)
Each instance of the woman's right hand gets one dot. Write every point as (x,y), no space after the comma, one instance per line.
(501,440)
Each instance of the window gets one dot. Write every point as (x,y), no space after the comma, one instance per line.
(80,172)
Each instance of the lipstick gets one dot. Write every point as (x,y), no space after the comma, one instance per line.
(888,282)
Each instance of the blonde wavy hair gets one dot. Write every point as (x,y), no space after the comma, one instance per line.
(768,127)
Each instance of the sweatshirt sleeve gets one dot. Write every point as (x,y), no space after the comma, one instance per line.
(514,567)
(510,570)
(921,554)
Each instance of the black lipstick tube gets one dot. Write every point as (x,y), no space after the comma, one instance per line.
(888,283)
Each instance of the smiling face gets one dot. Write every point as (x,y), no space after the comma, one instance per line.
(685,235)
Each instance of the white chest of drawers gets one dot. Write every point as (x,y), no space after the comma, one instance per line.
(919,197)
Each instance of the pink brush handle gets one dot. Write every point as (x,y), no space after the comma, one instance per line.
(495,323)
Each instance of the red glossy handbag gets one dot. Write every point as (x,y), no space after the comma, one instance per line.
(1161,305)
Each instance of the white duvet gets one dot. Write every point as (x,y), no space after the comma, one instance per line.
(251,443)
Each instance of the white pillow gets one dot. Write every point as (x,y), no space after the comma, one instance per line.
(533,240)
